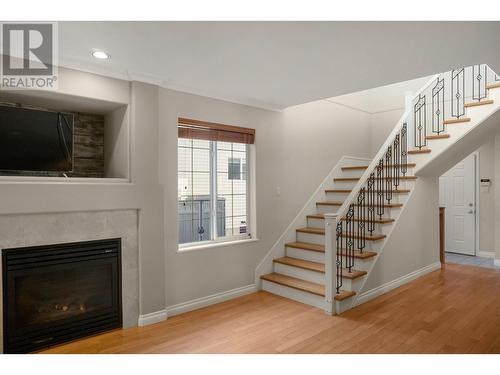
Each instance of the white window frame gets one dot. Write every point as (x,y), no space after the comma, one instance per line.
(226,240)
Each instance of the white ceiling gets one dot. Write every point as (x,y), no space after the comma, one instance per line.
(382,98)
(277,64)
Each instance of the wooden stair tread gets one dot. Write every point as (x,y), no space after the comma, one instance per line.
(329,203)
(354,274)
(456,120)
(311,230)
(295,283)
(300,263)
(378,221)
(476,104)
(438,136)
(306,246)
(386,205)
(493,86)
(359,255)
(360,167)
(398,191)
(423,151)
(347,191)
(373,237)
(344,294)
(376,178)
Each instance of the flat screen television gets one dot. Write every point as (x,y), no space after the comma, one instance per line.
(35,140)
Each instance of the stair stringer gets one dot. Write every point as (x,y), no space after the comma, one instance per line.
(300,220)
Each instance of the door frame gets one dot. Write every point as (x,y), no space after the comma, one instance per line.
(476,203)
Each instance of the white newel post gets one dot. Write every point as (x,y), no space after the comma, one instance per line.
(330,262)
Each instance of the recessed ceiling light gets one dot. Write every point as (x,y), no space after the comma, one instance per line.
(101,55)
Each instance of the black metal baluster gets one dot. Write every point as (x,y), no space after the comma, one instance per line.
(458,93)
(420,121)
(404,149)
(350,235)
(396,156)
(371,203)
(388,178)
(380,190)
(438,107)
(338,261)
(479,82)
(361,240)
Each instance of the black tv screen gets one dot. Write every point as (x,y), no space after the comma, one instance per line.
(35,140)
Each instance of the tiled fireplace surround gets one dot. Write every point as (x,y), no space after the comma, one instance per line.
(53,228)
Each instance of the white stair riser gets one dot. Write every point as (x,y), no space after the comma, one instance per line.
(313,256)
(352,285)
(310,238)
(362,264)
(341,306)
(315,223)
(326,209)
(403,184)
(359,173)
(379,228)
(352,173)
(300,273)
(294,294)
(337,197)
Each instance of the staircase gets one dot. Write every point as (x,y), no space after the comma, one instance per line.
(330,258)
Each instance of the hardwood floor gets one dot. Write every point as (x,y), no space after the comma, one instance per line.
(456,310)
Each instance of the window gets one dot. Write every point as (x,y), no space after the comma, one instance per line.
(212,187)
(234,168)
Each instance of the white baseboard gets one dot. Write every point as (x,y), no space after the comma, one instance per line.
(496,262)
(209,300)
(387,287)
(152,318)
(486,254)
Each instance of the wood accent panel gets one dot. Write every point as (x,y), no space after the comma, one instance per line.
(293,282)
(306,246)
(431,314)
(422,151)
(477,104)
(437,136)
(300,263)
(493,86)
(456,120)
(442,234)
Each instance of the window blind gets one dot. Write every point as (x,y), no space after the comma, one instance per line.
(211,131)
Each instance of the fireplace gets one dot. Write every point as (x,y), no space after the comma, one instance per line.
(57,293)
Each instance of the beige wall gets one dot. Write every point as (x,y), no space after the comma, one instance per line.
(408,249)
(487,197)
(294,151)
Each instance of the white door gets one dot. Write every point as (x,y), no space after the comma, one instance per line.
(457,194)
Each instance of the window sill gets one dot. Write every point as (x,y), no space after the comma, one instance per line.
(211,245)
